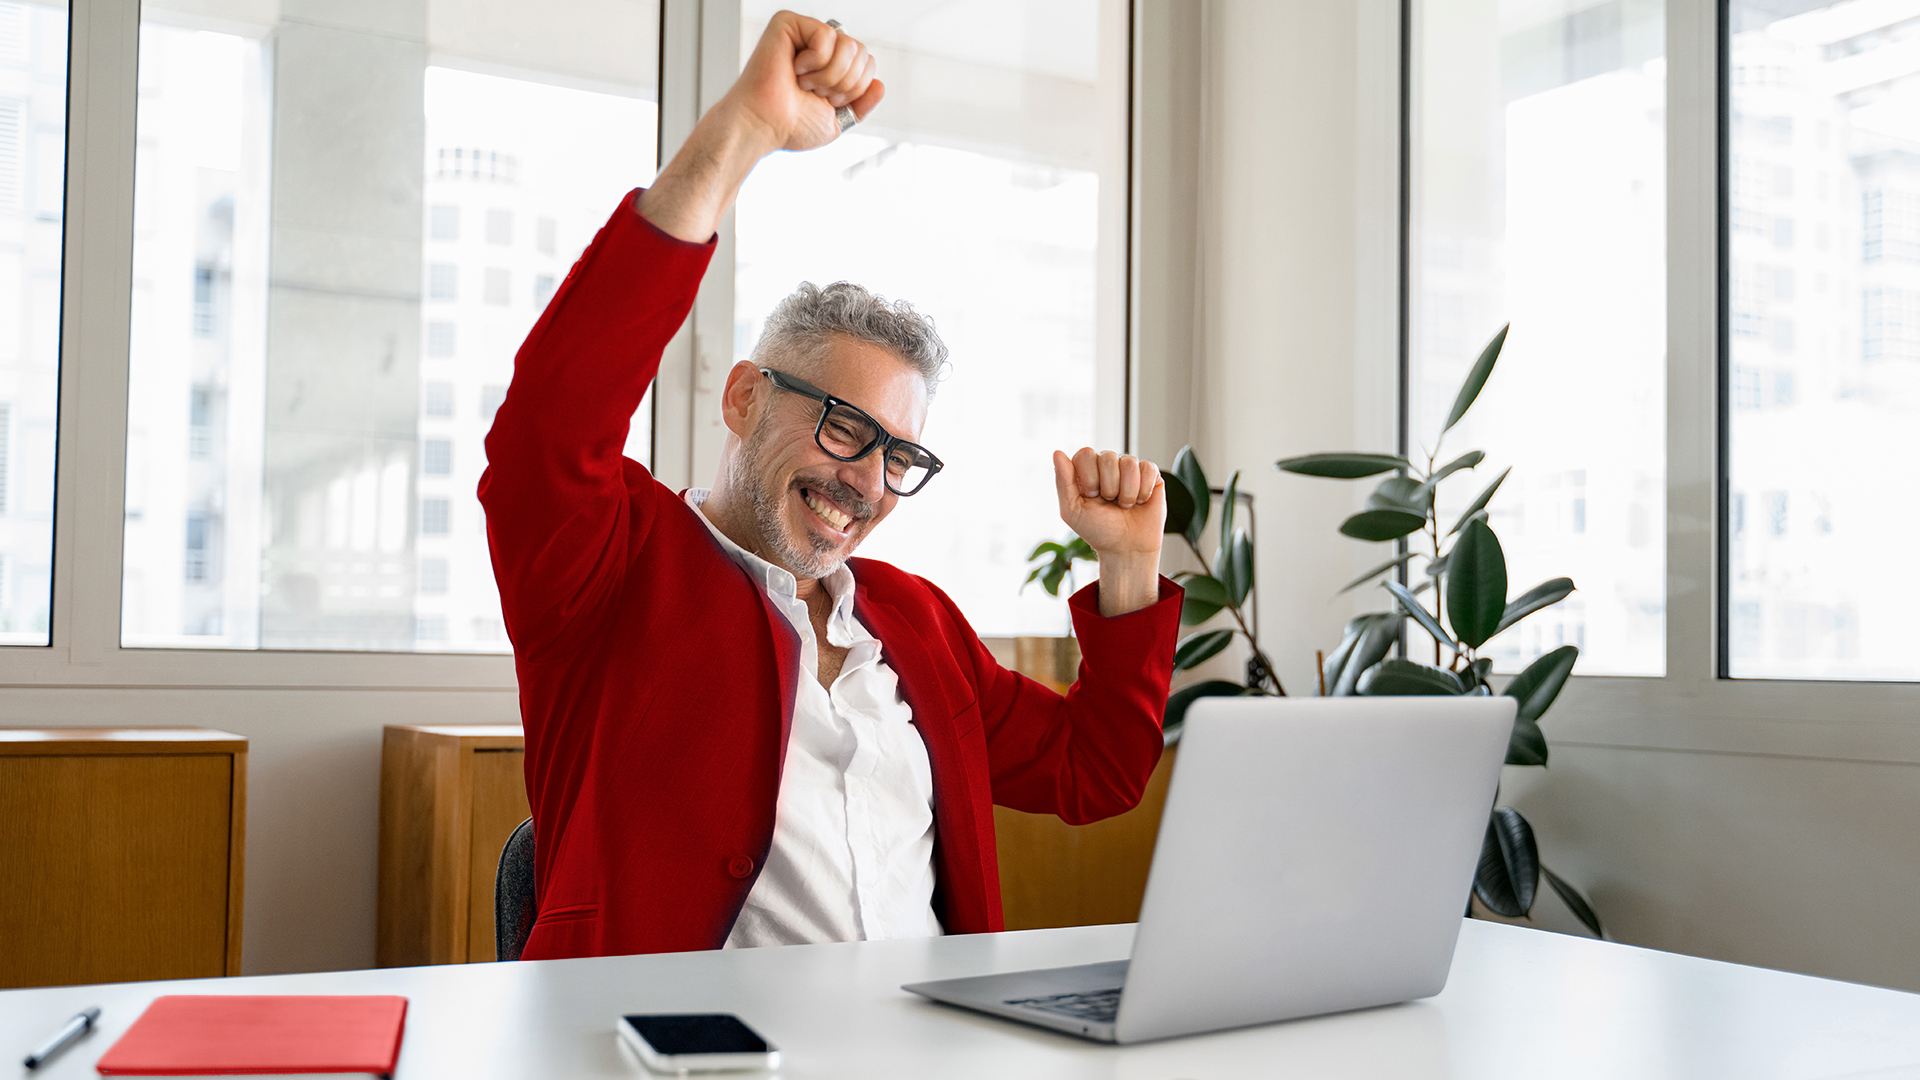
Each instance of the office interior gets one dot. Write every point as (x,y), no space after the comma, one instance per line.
(272,258)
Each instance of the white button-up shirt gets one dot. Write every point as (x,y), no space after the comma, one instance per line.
(852,855)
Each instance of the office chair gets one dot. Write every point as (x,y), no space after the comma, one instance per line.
(513,898)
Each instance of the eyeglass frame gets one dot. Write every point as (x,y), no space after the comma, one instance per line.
(884,443)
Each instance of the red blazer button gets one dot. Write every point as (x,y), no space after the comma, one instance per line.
(740,866)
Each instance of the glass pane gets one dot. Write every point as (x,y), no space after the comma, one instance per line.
(343,230)
(1540,199)
(1824,364)
(989,190)
(33,129)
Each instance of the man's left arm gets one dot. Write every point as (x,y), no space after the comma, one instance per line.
(1088,755)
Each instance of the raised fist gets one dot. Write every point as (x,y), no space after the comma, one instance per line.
(801,70)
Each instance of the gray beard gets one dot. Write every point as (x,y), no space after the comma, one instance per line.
(817,560)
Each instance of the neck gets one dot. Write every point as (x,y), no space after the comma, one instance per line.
(733,515)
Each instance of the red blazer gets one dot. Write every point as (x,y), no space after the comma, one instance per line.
(657,681)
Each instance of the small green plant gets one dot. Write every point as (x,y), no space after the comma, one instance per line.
(1056,559)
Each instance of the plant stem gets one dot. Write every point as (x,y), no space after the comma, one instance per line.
(1235,610)
(1433,530)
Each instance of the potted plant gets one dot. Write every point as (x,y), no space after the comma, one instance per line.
(1465,569)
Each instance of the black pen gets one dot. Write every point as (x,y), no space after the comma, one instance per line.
(73,1029)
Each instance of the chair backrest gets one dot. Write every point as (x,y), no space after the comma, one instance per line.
(513,899)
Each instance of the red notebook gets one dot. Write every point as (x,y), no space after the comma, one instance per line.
(283,1035)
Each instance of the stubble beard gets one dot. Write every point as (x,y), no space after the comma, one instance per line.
(818,558)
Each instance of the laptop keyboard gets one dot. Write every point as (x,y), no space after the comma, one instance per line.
(1099,1006)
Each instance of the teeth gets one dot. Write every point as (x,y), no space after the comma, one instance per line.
(832,516)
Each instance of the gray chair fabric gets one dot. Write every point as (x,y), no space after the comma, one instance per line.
(513,899)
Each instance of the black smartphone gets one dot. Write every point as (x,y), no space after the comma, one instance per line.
(696,1042)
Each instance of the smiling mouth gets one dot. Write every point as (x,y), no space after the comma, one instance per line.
(826,511)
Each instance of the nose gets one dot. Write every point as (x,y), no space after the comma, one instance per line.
(868,476)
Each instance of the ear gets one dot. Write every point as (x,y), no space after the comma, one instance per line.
(745,389)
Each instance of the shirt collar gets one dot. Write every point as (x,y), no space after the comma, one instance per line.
(777,580)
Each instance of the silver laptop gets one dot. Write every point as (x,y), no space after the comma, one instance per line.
(1315,856)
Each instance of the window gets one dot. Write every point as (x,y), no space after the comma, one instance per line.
(1539,199)
(443,281)
(436,399)
(1022,196)
(440,339)
(436,517)
(302,280)
(1808,592)
(490,399)
(33,124)
(542,291)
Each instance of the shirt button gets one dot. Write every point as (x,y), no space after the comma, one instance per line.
(740,866)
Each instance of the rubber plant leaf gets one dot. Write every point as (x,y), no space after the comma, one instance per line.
(1545,594)
(1396,677)
(1420,614)
(1342,466)
(1574,901)
(1480,503)
(1239,581)
(1376,639)
(1476,585)
(1527,745)
(1376,572)
(1205,597)
(1465,461)
(1509,871)
(1540,682)
(1199,648)
(1187,467)
(1179,505)
(1476,378)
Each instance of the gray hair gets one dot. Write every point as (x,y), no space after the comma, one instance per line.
(801,325)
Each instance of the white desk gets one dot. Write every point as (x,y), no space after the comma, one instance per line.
(1520,1004)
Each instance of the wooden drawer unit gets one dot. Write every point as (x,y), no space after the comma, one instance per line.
(124,851)
(450,795)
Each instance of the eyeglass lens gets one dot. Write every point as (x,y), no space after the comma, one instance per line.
(846,432)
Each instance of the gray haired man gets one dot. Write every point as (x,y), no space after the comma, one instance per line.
(737,733)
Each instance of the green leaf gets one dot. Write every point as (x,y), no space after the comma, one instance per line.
(1179,506)
(1375,572)
(1480,503)
(1382,524)
(1400,493)
(1205,597)
(1396,677)
(1436,567)
(1080,549)
(1050,580)
(1465,461)
(1540,683)
(1045,547)
(1575,902)
(1228,504)
(1509,871)
(1528,744)
(1476,378)
(1178,702)
(1478,671)
(1373,637)
(1545,594)
(1187,467)
(1420,614)
(1476,585)
(1342,466)
(1236,569)
(1200,648)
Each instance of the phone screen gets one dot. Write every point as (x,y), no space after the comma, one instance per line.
(702,1033)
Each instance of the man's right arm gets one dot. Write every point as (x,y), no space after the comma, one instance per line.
(556,491)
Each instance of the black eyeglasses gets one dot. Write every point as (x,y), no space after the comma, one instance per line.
(847,433)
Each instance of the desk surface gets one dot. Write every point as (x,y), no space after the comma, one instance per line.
(1520,1004)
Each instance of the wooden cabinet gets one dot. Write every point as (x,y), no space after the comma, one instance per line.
(450,795)
(1056,874)
(124,851)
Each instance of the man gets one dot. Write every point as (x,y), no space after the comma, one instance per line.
(736,733)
